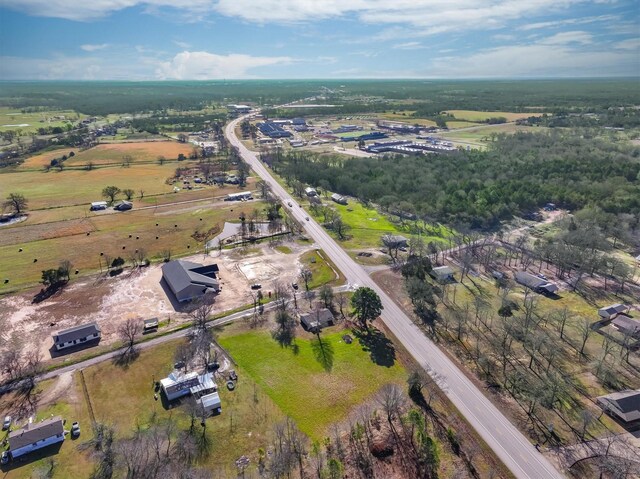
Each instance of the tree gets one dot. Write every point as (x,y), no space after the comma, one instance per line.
(16,202)
(128,333)
(339,226)
(306,275)
(110,193)
(366,305)
(326,295)
(128,193)
(585,331)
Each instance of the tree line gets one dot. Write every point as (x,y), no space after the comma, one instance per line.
(516,174)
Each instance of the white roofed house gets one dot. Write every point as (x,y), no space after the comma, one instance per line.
(442,274)
(210,404)
(35,436)
(178,384)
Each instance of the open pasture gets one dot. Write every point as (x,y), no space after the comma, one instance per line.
(471,115)
(112,154)
(13,119)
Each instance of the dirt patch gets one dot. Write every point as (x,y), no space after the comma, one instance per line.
(141,294)
(28,233)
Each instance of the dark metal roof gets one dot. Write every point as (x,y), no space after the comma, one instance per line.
(322,317)
(625,404)
(181,274)
(78,332)
(35,432)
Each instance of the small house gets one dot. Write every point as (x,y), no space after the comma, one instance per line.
(395,241)
(442,274)
(310,191)
(341,200)
(623,405)
(610,312)
(98,205)
(206,385)
(210,404)
(318,319)
(35,436)
(178,384)
(75,336)
(535,283)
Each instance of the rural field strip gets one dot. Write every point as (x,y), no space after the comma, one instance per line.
(515,451)
(181,333)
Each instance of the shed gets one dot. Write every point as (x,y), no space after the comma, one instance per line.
(210,404)
(341,200)
(318,319)
(310,191)
(442,274)
(395,241)
(36,436)
(150,324)
(76,335)
(610,312)
(627,326)
(624,405)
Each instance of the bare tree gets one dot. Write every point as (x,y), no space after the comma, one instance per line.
(306,275)
(128,333)
(585,331)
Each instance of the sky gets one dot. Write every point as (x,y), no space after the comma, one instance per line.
(298,39)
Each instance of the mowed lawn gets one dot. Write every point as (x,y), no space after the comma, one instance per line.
(472,115)
(322,269)
(298,382)
(367,226)
(111,154)
(13,119)
(108,234)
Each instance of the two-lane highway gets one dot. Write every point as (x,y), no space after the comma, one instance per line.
(515,451)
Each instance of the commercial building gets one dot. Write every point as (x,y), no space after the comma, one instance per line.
(273,130)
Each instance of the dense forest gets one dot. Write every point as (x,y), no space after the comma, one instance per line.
(516,174)
(425,98)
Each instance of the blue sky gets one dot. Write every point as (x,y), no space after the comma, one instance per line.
(224,39)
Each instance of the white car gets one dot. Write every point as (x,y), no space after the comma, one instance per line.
(75,429)
(4,459)
(7,423)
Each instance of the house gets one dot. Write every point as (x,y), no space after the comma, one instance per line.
(98,205)
(610,312)
(242,196)
(178,384)
(35,436)
(442,274)
(318,319)
(341,200)
(206,385)
(623,405)
(310,191)
(627,326)
(395,241)
(539,285)
(123,206)
(189,280)
(74,336)
(210,404)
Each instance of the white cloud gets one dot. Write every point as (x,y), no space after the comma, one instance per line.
(629,44)
(409,46)
(205,66)
(570,21)
(184,45)
(536,60)
(88,47)
(565,38)
(427,17)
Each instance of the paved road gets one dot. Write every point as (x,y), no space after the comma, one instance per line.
(515,451)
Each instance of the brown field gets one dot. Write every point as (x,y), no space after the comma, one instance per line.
(472,115)
(106,154)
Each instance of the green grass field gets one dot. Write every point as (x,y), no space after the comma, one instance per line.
(27,123)
(300,385)
(323,271)
(452,125)
(472,115)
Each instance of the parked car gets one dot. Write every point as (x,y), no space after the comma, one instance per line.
(294,286)
(7,423)
(290,204)
(256,286)
(307,218)
(5,457)
(75,429)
